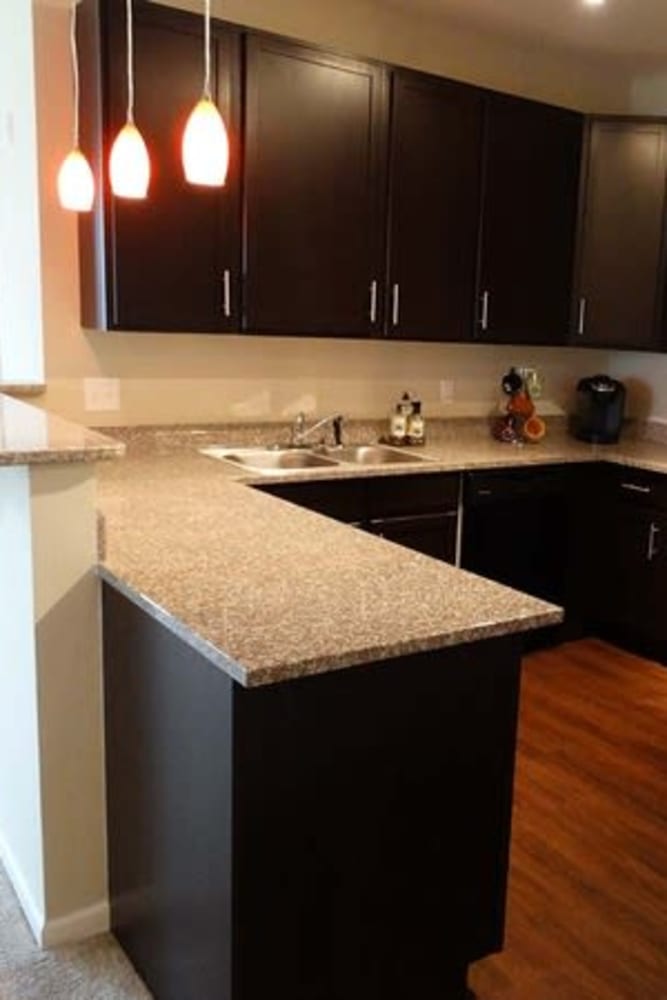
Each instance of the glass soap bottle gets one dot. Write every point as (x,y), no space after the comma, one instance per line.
(416,426)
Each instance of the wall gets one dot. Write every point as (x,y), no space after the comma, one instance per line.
(207,378)
(21,357)
(52,807)
(21,840)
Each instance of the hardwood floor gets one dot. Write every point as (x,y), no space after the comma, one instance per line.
(587,915)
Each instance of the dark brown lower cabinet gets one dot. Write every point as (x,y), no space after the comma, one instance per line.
(419,511)
(339,837)
(621,545)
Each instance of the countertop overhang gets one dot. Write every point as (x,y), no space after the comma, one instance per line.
(32,436)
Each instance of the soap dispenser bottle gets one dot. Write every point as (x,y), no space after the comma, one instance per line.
(398,426)
(416,426)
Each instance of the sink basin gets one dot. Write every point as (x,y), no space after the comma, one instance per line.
(271,460)
(374,454)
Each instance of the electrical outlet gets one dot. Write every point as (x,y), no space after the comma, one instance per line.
(446,390)
(101,394)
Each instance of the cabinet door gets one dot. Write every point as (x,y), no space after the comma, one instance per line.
(622,234)
(515,529)
(633,573)
(532,156)
(434,197)
(315,190)
(170,262)
(432,534)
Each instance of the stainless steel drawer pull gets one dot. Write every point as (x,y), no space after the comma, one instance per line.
(581,326)
(227,292)
(653,549)
(635,488)
(485,311)
(396,304)
(374,302)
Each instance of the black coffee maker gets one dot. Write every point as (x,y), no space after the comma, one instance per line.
(599,411)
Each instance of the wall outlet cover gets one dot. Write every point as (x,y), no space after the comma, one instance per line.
(446,390)
(101,394)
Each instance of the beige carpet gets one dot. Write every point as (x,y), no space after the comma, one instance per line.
(94,970)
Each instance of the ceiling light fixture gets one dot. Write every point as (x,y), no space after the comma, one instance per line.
(129,164)
(76,185)
(205,149)
(594,3)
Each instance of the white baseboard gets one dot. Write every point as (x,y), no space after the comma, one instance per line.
(76,926)
(33,913)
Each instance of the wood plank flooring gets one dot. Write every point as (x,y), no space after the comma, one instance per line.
(587,917)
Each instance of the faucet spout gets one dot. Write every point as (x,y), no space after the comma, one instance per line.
(301,433)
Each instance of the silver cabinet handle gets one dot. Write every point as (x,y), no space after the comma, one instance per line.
(395,304)
(581,325)
(374,302)
(635,488)
(484,321)
(227,292)
(653,549)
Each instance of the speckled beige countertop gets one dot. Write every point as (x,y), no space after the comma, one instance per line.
(270,591)
(30,436)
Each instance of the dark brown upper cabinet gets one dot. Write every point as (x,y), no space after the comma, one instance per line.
(529,215)
(171,262)
(621,235)
(434,190)
(315,190)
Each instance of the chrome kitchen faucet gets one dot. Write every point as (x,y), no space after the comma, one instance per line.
(300,433)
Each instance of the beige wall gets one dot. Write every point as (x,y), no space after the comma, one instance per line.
(67,634)
(211,378)
(21,357)
(52,807)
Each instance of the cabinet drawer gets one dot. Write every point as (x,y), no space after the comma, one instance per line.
(432,534)
(401,496)
(635,486)
(343,501)
(492,487)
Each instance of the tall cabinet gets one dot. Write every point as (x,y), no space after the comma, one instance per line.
(529,215)
(315,185)
(435,161)
(170,262)
(620,273)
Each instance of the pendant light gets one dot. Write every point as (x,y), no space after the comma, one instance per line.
(205,149)
(76,186)
(129,165)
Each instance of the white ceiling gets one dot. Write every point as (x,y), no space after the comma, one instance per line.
(634,28)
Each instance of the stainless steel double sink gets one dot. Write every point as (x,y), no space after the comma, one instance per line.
(278,461)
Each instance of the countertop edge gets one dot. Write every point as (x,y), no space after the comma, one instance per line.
(214,655)
(30,435)
(315,666)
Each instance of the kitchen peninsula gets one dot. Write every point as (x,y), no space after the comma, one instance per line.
(310,742)
(310,731)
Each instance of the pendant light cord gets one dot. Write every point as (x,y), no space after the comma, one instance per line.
(75,73)
(130,63)
(207,50)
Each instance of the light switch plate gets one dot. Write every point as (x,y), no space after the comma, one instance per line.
(101,394)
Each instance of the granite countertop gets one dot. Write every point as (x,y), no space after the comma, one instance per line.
(269,591)
(30,436)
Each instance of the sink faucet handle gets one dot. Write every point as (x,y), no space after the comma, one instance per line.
(337,424)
